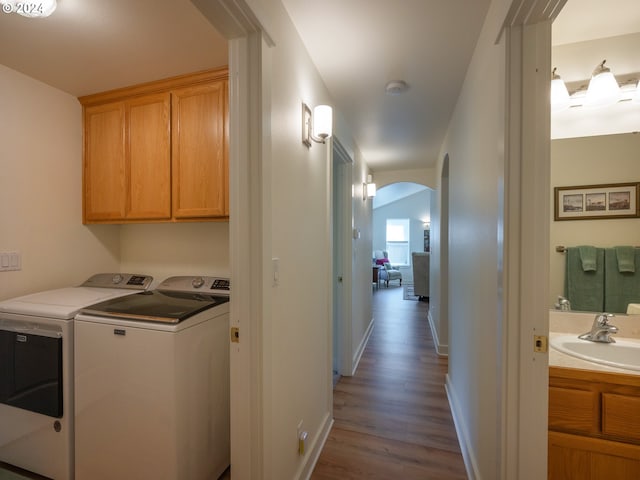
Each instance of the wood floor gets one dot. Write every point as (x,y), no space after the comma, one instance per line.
(392,419)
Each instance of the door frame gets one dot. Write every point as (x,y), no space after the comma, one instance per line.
(524,250)
(343,265)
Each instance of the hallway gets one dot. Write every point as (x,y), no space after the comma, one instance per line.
(392,419)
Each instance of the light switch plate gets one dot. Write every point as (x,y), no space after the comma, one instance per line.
(10,261)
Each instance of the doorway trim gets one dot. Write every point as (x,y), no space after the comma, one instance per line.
(249,138)
(524,246)
(441,331)
(343,265)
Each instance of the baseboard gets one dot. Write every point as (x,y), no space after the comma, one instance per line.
(470,462)
(441,349)
(316,448)
(358,354)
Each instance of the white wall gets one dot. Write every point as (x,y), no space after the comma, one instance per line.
(296,215)
(423,176)
(473,144)
(40,190)
(362,316)
(590,161)
(166,249)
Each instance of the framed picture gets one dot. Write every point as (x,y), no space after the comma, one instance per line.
(589,202)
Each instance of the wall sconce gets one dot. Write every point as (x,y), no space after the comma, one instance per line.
(40,9)
(317,127)
(368,188)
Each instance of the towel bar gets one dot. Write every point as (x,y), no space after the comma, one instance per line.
(563,249)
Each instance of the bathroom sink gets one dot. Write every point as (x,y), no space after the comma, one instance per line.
(622,354)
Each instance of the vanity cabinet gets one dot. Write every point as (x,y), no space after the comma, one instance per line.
(594,425)
(157,152)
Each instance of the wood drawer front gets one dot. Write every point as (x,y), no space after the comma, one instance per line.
(573,410)
(621,416)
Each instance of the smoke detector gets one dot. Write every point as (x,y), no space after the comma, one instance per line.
(396,87)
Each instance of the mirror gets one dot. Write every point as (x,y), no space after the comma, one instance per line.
(593,146)
(589,161)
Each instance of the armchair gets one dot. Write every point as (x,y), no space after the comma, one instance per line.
(387,273)
(390,273)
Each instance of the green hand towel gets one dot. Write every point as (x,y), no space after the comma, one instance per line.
(584,289)
(626,259)
(588,258)
(620,288)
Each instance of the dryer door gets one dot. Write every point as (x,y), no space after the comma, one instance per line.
(31,372)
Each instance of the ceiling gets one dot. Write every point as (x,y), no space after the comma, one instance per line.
(367,43)
(394,192)
(582,20)
(88,46)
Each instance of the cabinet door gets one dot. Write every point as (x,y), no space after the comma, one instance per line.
(199,151)
(104,162)
(148,157)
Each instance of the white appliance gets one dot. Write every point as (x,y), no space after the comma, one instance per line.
(36,371)
(152,384)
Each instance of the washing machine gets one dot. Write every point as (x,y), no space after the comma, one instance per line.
(152,383)
(36,371)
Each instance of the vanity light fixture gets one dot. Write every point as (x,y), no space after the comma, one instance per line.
(39,9)
(559,93)
(603,88)
(317,127)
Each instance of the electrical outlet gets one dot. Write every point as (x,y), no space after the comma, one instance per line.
(301,436)
(302,442)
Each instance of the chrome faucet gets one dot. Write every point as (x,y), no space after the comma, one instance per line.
(563,304)
(601,330)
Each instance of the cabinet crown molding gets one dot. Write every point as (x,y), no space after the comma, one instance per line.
(156,86)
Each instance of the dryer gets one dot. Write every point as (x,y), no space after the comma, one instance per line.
(37,367)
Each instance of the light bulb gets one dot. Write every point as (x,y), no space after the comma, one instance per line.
(603,88)
(371,190)
(322,121)
(559,93)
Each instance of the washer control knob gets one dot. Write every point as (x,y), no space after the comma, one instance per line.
(197,282)
(117,278)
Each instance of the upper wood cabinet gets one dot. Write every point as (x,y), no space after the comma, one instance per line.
(104,163)
(199,151)
(157,152)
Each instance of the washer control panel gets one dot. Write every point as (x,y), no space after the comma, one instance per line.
(131,281)
(203,284)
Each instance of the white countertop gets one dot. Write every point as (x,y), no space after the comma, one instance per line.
(559,359)
(563,323)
